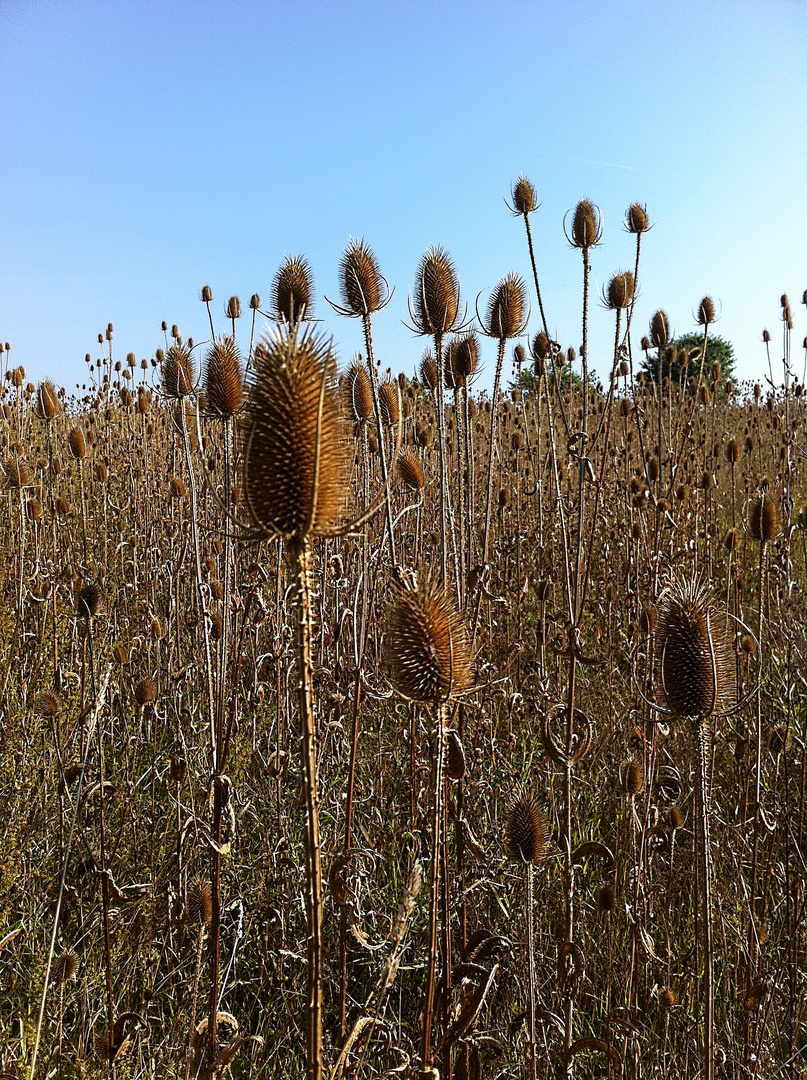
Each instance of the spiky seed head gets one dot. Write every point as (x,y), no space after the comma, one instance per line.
(676,817)
(586,225)
(733,451)
(47,401)
(526,830)
(207,294)
(455,757)
(293,291)
(199,903)
(634,778)
(90,598)
(428,370)
(436,295)
(620,290)
(524,195)
(294,436)
(360,282)
(706,312)
(47,705)
(16,474)
(507,307)
(178,767)
(636,218)
(659,329)
(606,901)
(65,967)
(427,645)
(696,666)
(410,471)
(145,691)
(763,519)
(232,309)
(178,371)
(224,381)
(361,392)
(667,998)
(176,486)
(33,509)
(388,403)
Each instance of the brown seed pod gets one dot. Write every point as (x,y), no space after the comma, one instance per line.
(145,691)
(732,451)
(410,471)
(666,998)
(526,832)
(636,218)
(16,474)
(427,645)
(65,967)
(507,308)
(178,371)
(428,370)
(524,196)
(361,392)
(178,768)
(620,291)
(361,285)
(586,225)
(89,601)
(634,778)
(223,385)
(294,441)
(696,667)
(455,757)
(293,291)
(436,295)
(199,903)
(659,329)
(388,403)
(177,488)
(676,817)
(47,705)
(606,901)
(763,519)
(48,405)
(706,312)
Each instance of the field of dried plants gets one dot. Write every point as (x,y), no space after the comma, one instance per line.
(363,726)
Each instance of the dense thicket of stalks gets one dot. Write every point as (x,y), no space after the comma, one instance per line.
(603,768)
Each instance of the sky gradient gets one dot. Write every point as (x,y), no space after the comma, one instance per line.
(150,148)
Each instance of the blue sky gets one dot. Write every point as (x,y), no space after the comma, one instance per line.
(150,148)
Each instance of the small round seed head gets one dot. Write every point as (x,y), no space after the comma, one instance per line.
(199,903)
(232,309)
(524,196)
(207,294)
(47,401)
(178,371)
(634,778)
(427,644)
(293,291)
(636,218)
(388,403)
(706,312)
(90,598)
(763,519)
(507,308)
(145,691)
(620,290)
(465,358)
(659,330)
(586,225)
(294,441)
(361,392)
(410,471)
(732,451)
(65,967)
(428,370)
(47,705)
(667,998)
(695,660)
(178,767)
(360,281)
(526,830)
(436,296)
(606,901)
(224,382)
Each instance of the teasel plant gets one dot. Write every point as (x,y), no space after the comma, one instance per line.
(295,498)
(429,657)
(695,680)
(526,841)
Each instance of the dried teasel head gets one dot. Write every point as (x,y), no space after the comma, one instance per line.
(508,308)
(427,645)
(199,903)
(361,391)
(620,290)
(48,405)
(178,371)
(636,220)
(16,474)
(763,519)
(706,312)
(145,691)
(524,196)
(293,291)
(294,437)
(363,289)
(388,403)
(659,329)
(65,967)
(89,600)
(76,443)
(428,370)
(410,471)
(586,230)
(224,381)
(436,296)
(633,781)
(695,658)
(526,832)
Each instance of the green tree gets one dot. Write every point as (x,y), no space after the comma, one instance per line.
(682,359)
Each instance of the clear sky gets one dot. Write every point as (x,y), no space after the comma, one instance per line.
(149,148)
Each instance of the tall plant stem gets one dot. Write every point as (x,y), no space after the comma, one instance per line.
(528,905)
(298,555)
(704,856)
(434,895)
(367,326)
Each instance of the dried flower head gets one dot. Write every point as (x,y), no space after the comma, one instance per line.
(90,598)
(508,308)
(763,519)
(178,371)
(427,645)
(48,405)
(223,377)
(620,290)
(293,291)
(65,967)
(436,299)
(586,225)
(526,829)
(659,329)
(294,446)
(16,474)
(706,312)
(361,285)
(524,196)
(410,471)
(199,903)
(696,667)
(145,691)
(636,218)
